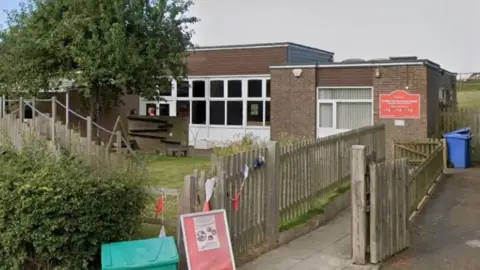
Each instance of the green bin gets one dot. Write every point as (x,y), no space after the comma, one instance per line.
(152,254)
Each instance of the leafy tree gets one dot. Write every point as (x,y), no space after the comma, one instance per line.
(107,47)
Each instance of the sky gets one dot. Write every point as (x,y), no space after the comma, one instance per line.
(440,30)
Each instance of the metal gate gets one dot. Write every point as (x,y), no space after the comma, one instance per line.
(379,207)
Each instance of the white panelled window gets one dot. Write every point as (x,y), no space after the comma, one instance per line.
(218,101)
(344,107)
(258,102)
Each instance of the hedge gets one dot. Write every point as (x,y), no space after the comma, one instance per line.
(56,211)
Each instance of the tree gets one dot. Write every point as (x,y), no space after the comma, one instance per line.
(106,47)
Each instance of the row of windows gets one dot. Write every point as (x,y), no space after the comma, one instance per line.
(221,112)
(220,89)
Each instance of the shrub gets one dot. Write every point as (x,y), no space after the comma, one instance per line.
(55,211)
(249,142)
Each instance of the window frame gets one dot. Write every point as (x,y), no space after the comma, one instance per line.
(334,103)
(173,98)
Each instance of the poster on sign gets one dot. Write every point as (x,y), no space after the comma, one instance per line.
(399,104)
(207,241)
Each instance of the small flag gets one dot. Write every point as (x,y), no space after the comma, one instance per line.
(236,201)
(245,171)
(162,232)
(209,185)
(159,209)
(206,206)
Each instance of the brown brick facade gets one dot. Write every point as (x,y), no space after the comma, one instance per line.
(397,78)
(293,102)
(235,61)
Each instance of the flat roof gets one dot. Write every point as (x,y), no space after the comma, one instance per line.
(257,46)
(392,61)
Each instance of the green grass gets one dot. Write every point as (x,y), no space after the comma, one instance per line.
(318,208)
(167,172)
(468,99)
(170,172)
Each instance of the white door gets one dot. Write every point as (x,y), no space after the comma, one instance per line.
(343,109)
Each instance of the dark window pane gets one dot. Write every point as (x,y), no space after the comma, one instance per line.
(267,113)
(199,112)
(151,109)
(255,88)
(183,108)
(216,88)
(198,89)
(167,91)
(255,113)
(235,88)
(217,112)
(268,88)
(165,109)
(182,89)
(234,113)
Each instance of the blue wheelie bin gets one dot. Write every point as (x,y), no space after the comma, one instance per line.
(148,254)
(459,148)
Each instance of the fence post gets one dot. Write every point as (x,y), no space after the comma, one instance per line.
(53,118)
(119,141)
(34,108)
(445,156)
(89,134)
(21,109)
(359,218)
(187,205)
(272,214)
(219,192)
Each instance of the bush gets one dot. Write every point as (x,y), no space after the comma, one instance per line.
(250,141)
(55,211)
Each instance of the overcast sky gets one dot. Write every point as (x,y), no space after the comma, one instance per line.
(444,31)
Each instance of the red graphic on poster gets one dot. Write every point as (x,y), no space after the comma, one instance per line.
(400,104)
(207,241)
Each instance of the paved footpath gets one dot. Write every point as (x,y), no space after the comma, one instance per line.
(446,234)
(326,248)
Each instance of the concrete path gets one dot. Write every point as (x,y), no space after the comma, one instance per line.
(327,248)
(446,234)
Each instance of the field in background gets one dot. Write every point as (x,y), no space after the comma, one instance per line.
(468,93)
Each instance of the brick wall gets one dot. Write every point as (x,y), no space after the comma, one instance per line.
(293,105)
(397,78)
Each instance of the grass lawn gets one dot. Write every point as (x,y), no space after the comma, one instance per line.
(469,99)
(170,172)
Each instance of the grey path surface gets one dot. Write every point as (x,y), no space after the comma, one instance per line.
(327,248)
(446,235)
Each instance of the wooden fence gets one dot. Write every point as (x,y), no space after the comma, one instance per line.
(415,151)
(284,183)
(48,126)
(384,198)
(451,119)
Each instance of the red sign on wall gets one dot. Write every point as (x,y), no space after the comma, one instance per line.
(207,241)
(399,104)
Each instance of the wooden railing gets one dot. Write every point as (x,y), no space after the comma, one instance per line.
(48,126)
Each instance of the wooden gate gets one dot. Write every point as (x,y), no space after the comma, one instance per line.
(379,208)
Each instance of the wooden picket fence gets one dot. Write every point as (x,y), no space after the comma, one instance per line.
(286,187)
(451,119)
(386,196)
